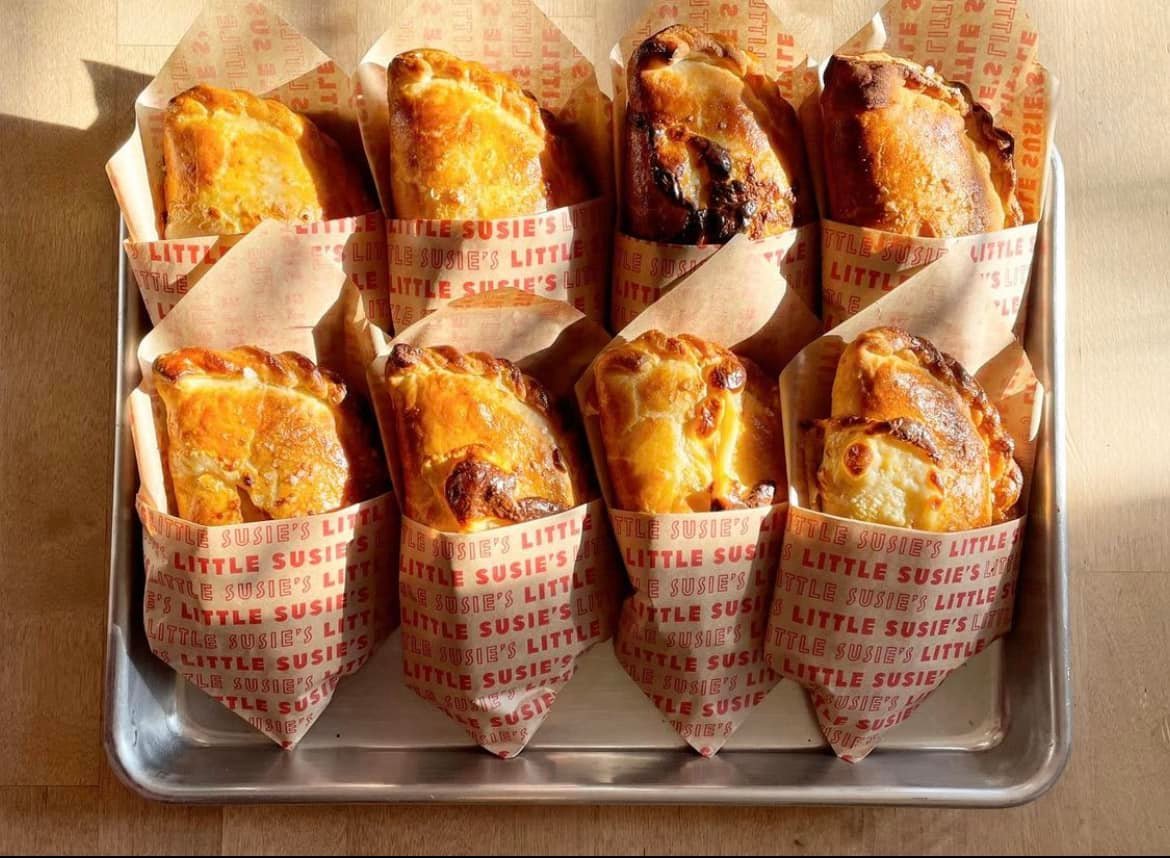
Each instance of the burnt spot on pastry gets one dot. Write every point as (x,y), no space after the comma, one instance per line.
(707,416)
(858,458)
(728,375)
(475,488)
(403,356)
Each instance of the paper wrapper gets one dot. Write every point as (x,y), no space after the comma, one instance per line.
(493,622)
(991,46)
(242,46)
(691,635)
(266,617)
(872,619)
(562,254)
(643,271)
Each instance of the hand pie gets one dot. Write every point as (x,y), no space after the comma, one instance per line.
(688,426)
(480,443)
(252,436)
(470,143)
(232,160)
(711,147)
(909,152)
(913,441)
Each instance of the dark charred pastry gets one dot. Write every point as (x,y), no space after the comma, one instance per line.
(475,488)
(712,149)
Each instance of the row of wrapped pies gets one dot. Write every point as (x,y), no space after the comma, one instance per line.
(687,426)
(710,149)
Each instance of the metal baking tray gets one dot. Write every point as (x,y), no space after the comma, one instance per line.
(997,733)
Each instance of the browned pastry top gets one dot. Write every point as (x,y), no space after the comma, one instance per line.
(252,435)
(913,440)
(467,142)
(906,151)
(688,426)
(480,443)
(711,147)
(231,160)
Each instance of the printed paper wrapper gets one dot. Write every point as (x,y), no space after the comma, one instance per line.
(691,635)
(266,617)
(562,254)
(645,270)
(992,47)
(872,619)
(493,622)
(242,46)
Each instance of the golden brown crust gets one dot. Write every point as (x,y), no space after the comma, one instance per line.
(252,435)
(232,160)
(711,147)
(480,442)
(688,426)
(907,151)
(470,143)
(913,440)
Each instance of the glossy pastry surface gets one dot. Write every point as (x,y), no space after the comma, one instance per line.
(470,143)
(913,441)
(906,151)
(250,436)
(480,442)
(688,426)
(232,160)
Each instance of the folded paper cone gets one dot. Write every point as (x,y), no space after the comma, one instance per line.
(991,47)
(494,622)
(871,619)
(237,46)
(691,635)
(563,254)
(643,271)
(266,617)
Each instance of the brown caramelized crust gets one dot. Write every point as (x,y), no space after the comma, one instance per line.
(711,147)
(481,444)
(909,152)
(913,440)
(470,143)
(232,160)
(252,435)
(688,426)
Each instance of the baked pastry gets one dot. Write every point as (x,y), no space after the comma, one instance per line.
(711,147)
(909,152)
(231,160)
(913,441)
(252,435)
(480,441)
(688,426)
(470,143)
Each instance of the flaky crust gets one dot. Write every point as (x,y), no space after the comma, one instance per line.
(252,435)
(480,442)
(231,160)
(908,152)
(711,147)
(913,440)
(688,426)
(467,142)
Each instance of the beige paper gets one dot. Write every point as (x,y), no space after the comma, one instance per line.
(872,619)
(562,254)
(691,635)
(242,46)
(645,270)
(266,617)
(493,622)
(991,46)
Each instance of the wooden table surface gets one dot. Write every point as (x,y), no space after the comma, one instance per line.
(70,72)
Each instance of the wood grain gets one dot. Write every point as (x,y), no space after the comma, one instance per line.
(71,70)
